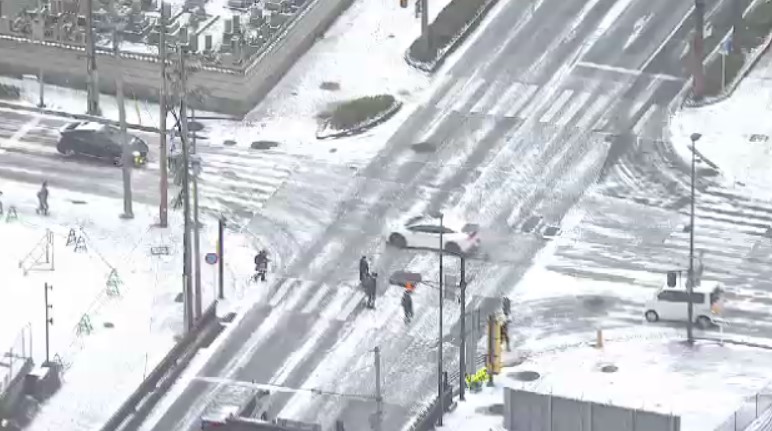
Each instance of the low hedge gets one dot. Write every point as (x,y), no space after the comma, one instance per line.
(9,92)
(452,24)
(358,111)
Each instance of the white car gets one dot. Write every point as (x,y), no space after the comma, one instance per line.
(670,303)
(458,236)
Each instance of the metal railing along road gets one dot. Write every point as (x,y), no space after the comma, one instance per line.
(750,409)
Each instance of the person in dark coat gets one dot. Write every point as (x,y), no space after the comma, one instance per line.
(370,284)
(364,269)
(407,305)
(43,199)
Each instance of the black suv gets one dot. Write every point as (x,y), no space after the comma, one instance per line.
(97,140)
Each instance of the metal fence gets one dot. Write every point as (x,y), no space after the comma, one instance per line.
(15,356)
(529,411)
(750,409)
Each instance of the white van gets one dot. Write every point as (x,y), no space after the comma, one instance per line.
(670,303)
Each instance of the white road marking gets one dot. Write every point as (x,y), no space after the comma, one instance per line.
(317,298)
(350,306)
(626,71)
(589,118)
(467,94)
(23,130)
(556,106)
(667,39)
(514,109)
(638,128)
(575,105)
(282,292)
(504,100)
(489,97)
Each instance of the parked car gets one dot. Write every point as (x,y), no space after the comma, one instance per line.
(670,303)
(97,140)
(458,236)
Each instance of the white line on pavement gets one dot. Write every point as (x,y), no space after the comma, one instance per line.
(626,71)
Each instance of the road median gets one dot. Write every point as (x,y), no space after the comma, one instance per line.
(451,27)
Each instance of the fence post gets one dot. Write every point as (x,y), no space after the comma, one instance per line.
(757,405)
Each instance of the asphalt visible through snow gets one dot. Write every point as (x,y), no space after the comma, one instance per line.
(540,106)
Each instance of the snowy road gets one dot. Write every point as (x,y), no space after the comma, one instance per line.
(522,125)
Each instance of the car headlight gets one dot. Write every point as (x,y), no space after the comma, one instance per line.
(135,154)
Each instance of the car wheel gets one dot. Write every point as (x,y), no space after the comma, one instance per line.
(703,322)
(651,316)
(452,247)
(67,151)
(397,240)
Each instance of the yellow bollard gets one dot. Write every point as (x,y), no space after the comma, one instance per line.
(599,339)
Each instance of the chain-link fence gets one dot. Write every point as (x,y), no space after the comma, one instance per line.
(15,356)
(749,410)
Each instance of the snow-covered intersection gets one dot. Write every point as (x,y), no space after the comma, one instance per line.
(514,154)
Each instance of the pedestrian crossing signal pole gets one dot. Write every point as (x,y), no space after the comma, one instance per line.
(49,320)
(92,103)
(699,49)
(426,33)
(378,393)
(126,156)
(462,350)
(691,279)
(164,186)
(188,285)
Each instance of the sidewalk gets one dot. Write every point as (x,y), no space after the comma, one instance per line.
(655,371)
(735,132)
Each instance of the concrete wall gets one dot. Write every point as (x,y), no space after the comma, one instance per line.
(528,411)
(228,90)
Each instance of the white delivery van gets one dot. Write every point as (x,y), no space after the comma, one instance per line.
(670,303)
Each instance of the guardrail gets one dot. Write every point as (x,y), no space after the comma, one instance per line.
(134,410)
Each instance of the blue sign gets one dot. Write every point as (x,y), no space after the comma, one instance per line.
(211,258)
(726,47)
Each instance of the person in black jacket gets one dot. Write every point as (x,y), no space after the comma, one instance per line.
(364,269)
(370,284)
(407,305)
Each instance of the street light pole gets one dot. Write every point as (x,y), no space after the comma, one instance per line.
(439,345)
(462,349)
(690,283)
(126,157)
(164,186)
(49,320)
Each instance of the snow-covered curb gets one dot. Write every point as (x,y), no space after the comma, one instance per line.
(326,132)
(443,53)
(751,59)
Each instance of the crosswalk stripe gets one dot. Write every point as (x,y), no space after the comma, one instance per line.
(265,164)
(320,293)
(251,182)
(446,101)
(350,306)
(242,197)
(504,100)
(282,292)
(524,102)
(490,96)
(556,106)
(590,116)
(334,306)
(574,106)
(467,94)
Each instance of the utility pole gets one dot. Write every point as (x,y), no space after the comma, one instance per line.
(737,12)
(188,288)
(690,282)
(92,82)
(126,158)
(164,205)
(462,350)
(699,49)
(49,320)
(439,341)
(378,393)
(220,254)
(196,225)
(426,36)
(42,18)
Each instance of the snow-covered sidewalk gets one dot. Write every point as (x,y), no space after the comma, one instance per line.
(655,371)
(736,133)
(133,315)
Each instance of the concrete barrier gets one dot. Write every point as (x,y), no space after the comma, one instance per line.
(228,90)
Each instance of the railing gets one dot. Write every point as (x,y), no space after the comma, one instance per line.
(750,409)
(15,356)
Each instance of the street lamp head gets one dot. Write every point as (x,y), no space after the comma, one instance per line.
(436,214)
(695,137)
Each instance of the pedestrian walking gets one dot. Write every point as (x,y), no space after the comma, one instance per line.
(370,284)
(504,326)
(364,269)
(407,305)
(43,199)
